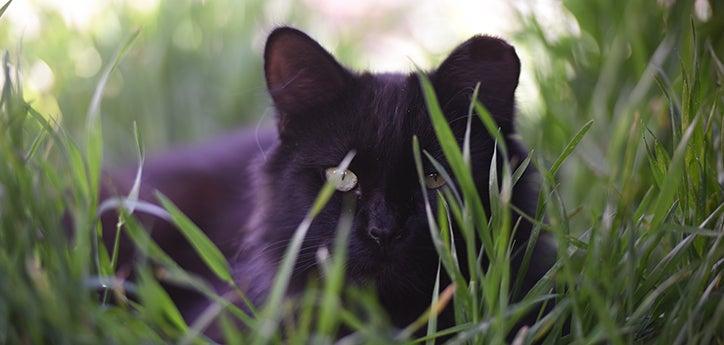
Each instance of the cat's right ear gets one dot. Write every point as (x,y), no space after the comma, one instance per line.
(300,74)
(487,60)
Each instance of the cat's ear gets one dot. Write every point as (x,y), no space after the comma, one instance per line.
(486,60)
(300,74)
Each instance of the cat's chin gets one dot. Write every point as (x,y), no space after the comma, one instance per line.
(365,270)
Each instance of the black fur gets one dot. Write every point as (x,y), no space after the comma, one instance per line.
(250,191)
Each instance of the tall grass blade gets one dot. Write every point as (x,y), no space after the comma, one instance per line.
(209,253)
(269,316)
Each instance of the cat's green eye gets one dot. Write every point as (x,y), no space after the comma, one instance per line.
(434,181)
(344,180)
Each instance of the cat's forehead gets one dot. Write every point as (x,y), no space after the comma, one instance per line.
(389,89)
(385,112)
(391,106)
(377,120)
(389,112)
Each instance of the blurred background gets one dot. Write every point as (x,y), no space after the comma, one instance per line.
(195,69)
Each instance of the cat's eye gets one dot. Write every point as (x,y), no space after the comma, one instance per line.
(343,180)
(434,181)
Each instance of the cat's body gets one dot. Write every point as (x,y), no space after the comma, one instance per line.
(211,183)
(249,191)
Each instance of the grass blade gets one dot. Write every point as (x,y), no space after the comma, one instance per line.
(209,253)
(5,7)
(269,316)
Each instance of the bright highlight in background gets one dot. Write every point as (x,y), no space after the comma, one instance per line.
(386,35)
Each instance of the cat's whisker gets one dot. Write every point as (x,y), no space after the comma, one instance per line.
(281,244)
(304,253)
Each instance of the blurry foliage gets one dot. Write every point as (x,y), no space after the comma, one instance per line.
(626,69)
(195,70)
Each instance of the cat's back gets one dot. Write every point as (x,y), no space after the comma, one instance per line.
(212,183)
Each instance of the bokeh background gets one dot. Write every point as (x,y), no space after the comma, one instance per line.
(195,69)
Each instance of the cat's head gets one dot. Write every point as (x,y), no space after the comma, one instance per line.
(325,110)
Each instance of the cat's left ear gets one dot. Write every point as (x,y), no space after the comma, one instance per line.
(487,60)
(300,74)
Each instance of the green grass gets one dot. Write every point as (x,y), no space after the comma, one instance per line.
(628,143)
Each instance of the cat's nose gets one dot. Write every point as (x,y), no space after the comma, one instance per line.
(379,235)
(381,222)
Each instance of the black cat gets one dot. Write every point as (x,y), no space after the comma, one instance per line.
(249,191)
